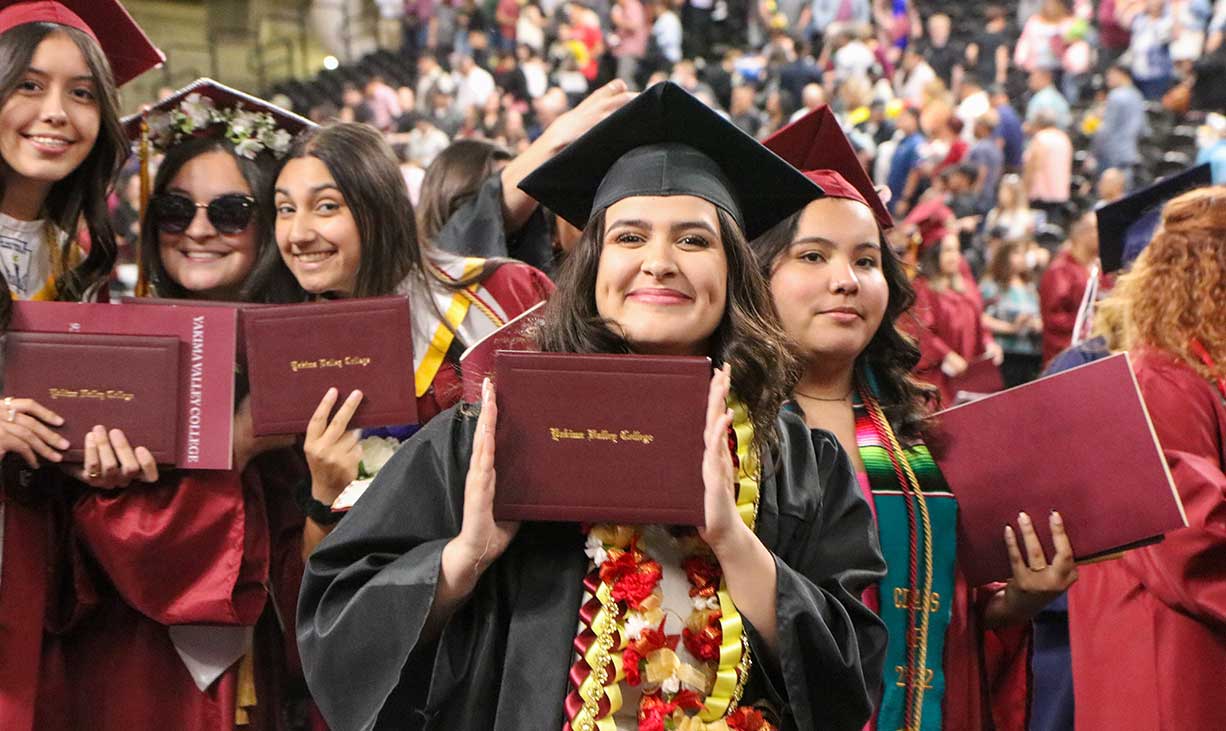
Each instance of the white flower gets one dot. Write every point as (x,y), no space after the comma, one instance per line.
(242,124)
(376,451)
(595,550)
(160,126)
(249,148)
(280,142)
(198,110)
(671,684)
(705,602)
(635,625)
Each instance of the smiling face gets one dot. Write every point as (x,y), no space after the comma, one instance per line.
(203,260)
(316,232)
(662,277)
(828,286)
(50,121)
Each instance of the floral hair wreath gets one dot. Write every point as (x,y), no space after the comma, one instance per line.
(250,132)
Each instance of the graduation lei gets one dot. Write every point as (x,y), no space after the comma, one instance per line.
(621,636)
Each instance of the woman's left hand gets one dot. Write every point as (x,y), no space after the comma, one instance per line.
(719,480)
(111,462)
(1036,582)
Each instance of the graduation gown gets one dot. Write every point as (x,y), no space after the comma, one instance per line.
(501,661)
(477,229)
(1060,292)
(941,322)
(196,548)
(1159,667)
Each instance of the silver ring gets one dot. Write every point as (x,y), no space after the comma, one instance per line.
(1038,570)
(12,410)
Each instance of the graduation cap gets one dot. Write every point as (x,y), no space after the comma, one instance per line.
(816,145)
(931,218)
(667,142)
(206,108)
(1127,225)
(126,46)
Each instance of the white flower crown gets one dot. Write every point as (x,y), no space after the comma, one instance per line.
(250,132)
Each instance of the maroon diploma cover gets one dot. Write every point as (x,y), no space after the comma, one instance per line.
(600,438)
(205,406)
(126,382)
(295,353)
(478,361)
(1079,442)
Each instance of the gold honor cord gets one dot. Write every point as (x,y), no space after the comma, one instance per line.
(917,678)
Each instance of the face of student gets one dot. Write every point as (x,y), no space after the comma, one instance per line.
(662,277)
(49,123)
(203,259)
(316,232)
(951,256)
(828,286)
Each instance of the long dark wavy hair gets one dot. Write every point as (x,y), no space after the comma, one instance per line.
(82,195)
(453,179)
(748,337)
(890,354)
(257,173)
(368,175)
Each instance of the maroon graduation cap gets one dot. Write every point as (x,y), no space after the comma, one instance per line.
(221,97)
(815,145)
(126,46)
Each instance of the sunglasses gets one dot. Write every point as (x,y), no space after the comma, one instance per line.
(229,214)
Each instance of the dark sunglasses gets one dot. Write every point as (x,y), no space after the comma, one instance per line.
(229,214)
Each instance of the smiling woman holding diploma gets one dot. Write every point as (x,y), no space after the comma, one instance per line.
(752,622)
(61,147)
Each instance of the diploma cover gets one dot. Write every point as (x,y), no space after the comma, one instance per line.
(206,363)
(1079,442)
(126,382)
(600,438)
(477,362)
(295,353)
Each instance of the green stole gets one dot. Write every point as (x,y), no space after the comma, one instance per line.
(917,529)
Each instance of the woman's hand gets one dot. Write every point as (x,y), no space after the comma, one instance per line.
(953,364)
(247,446)
(723,522)
(332,451)
(1035,582)
(482,539)
(25,429)
(111,462)
(995,352)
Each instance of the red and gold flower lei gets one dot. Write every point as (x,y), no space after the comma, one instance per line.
(622,636)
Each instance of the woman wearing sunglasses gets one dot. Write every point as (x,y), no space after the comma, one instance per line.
(485,625)
(345,228)
(226,544)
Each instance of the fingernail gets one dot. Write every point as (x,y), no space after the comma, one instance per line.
(1056,518)
(58,421)
(356,392)
(1023,518)
(64,444)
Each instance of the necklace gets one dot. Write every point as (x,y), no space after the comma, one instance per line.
(844,397)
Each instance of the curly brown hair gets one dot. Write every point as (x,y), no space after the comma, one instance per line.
(1176,288)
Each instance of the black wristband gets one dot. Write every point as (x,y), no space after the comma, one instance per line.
(312,508)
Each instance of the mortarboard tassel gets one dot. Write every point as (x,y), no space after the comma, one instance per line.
(142,283)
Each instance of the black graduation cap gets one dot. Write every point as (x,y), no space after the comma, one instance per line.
(667,142)
(1126,226)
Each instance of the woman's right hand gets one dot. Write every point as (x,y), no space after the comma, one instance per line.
(25,429)
(482,539)
(953,364)
(332,450)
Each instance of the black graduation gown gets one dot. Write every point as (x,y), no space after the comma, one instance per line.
(477,229)
(501,662)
